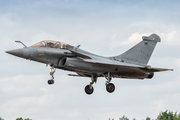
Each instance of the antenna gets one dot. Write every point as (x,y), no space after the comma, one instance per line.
(78,46)
(21,43)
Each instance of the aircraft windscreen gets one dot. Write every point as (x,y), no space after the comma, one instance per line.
(52,44)
(40,44)
(66,46)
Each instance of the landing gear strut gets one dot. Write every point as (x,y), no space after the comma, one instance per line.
(110,87)
(52,71)
(89,88)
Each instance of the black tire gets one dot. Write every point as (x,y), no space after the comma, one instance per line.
(110,87)
(89,90)
(50,82)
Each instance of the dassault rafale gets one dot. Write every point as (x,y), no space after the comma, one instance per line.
(132,64)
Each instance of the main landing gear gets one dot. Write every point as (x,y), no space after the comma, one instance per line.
(52,71)
(89,88)
(110,87)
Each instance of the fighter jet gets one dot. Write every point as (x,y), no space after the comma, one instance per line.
(132,64)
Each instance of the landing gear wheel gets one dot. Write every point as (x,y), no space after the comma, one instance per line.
(110,87)
(89,90)
(50,82)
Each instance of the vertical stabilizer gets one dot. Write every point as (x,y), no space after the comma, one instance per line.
(141,52)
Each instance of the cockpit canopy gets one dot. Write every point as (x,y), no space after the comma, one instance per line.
(53,44)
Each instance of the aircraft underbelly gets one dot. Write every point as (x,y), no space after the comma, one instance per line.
(77,65)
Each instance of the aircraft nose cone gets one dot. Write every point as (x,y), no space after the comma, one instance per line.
(16,52)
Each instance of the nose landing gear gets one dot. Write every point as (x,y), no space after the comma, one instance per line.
(52,71)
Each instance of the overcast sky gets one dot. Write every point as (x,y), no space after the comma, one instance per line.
(103,27)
